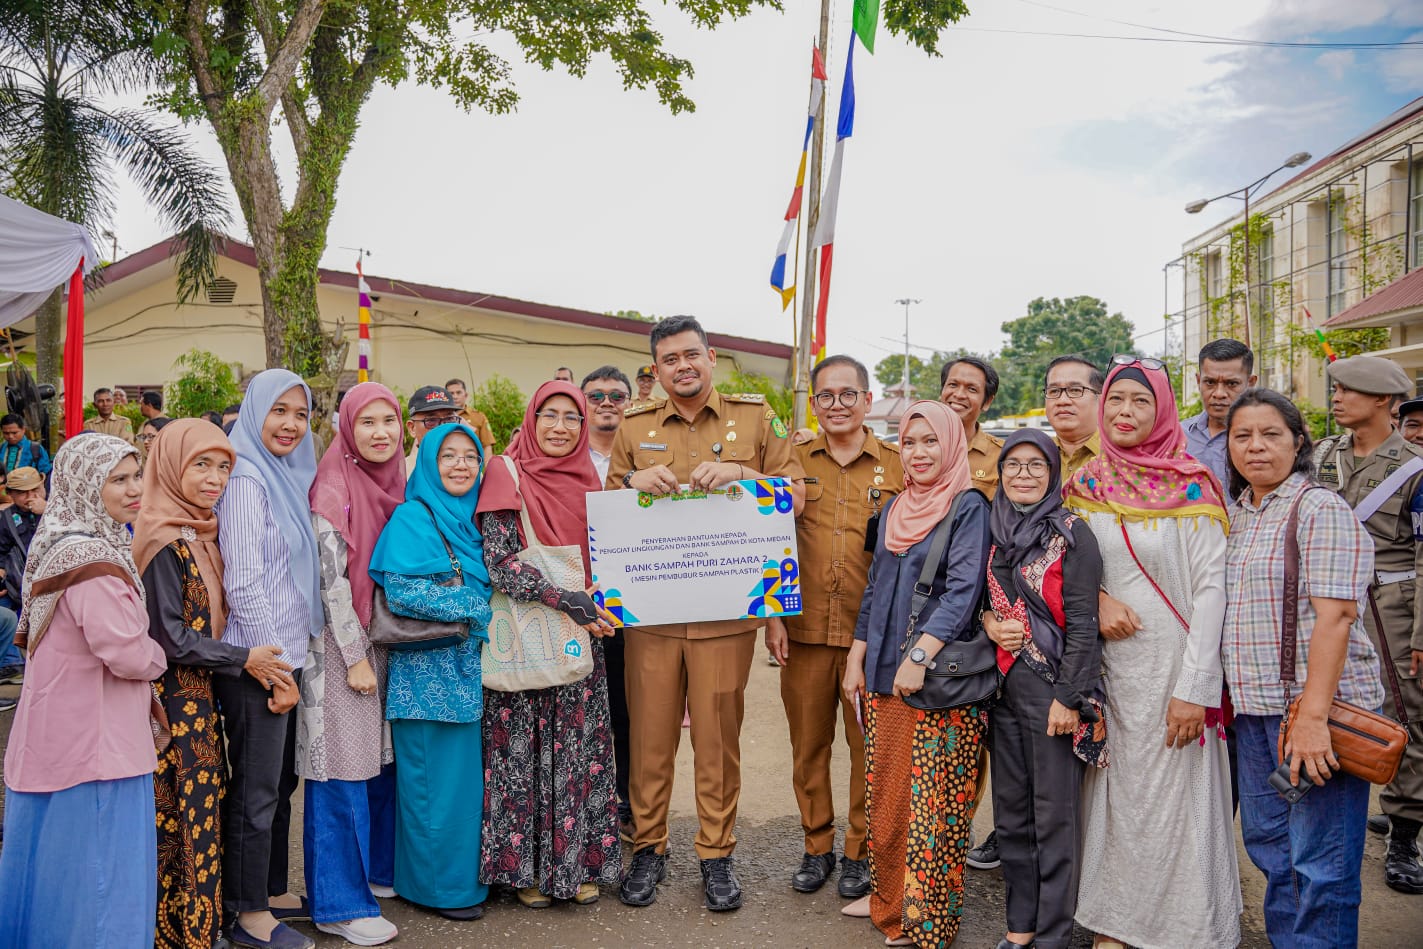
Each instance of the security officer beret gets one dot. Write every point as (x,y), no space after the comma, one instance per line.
(1373,375)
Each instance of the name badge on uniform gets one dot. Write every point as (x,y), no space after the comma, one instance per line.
(652,446)
(1329,471)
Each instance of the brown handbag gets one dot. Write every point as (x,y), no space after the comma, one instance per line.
(1368,745)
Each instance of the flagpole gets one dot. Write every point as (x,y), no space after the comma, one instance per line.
(804,355)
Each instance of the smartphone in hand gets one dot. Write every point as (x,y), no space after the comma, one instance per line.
(1292,793)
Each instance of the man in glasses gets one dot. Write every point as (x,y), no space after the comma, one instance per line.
(968,385)
(430,407)
(1070,393)
(850,475)
(699,437)
(1225,368)
(474,418)
(609,394)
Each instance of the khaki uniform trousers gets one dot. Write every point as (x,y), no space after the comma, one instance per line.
(1404,797)
(810,691)
(667,675)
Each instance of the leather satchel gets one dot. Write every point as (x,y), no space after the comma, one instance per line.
(965,671)
(1368,745)
(393,631)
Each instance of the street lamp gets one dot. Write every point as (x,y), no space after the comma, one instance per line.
(906,302)
(1195,207)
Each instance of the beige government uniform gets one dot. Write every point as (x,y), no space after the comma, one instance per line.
(697,667)
(1398,562)
(115,425)
(834,569)
(983,452)
(1085,452)
(478,421)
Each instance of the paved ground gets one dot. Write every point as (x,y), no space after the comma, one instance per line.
(769,851)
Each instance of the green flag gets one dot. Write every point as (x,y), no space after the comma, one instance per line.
(866,19)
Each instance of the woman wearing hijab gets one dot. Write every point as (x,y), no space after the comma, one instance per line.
(1158,864)
(175,550)
(550,798)
(1044,576)
(80,855)
(342,741)
(435,696)
(922,766)
(272,579)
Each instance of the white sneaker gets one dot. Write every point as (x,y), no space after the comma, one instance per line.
(382,892)
(368,931)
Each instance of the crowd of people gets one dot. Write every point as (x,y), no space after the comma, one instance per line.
(1092,617)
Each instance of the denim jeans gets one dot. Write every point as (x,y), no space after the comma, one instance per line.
(1311,853)
(9,653)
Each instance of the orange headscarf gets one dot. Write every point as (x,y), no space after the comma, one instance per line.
(167,515)
(920,507)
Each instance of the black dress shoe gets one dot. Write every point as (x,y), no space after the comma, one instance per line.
(722,889)
(648,869)
(815,869)
(1378,824)
(1401,870)
(1005,944)
(463,914)
(854,878)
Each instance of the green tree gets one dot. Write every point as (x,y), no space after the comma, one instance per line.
(780,398)
(205,384)
(503,404)
(59,144)
(923,373)
(239,64)
(1051,328)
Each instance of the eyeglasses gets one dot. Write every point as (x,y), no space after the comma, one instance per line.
(1130,359)
(551,419)
(146,438)
(449,459)
(847,398)
(1037,467)
(1072,392)
(437,421)
(617,398)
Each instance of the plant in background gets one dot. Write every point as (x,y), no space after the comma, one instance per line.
(205,384)
(503,404)
(780,398)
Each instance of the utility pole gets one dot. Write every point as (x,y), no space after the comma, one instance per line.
(812,204)
(906,302)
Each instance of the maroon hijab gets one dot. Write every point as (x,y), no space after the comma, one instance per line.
(356,496)
(552,490)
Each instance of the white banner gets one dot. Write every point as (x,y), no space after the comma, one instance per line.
(695,556)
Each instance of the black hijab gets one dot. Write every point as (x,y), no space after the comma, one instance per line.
(1023,533)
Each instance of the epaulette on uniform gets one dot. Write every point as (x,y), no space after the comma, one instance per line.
(643,407)
(753,398)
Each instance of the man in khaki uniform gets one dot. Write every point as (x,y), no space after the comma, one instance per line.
(646,379)
(1373,468)
(704,439)
(849,478)
(107,422)
(476,419)
(1071,391)
(968,385)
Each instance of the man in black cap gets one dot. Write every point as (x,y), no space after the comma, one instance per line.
(1381,476)
(430,407)
(646,379)
(1410,421)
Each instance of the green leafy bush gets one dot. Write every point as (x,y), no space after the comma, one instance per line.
(205,384)
(503,404)
(779,398)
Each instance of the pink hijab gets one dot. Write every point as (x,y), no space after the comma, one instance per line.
(356,496)
(920,507)
(553,490)
(1157,478)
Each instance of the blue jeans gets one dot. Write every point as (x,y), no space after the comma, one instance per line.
(349,835)
(9,653)
(1311,853)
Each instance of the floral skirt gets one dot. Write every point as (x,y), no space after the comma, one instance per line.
(921,781)
(188,788)
(550,787)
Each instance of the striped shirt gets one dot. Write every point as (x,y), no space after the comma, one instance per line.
(1336,562)
(264,605)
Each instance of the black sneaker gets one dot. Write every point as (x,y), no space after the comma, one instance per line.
(12,675)
(985,855)
(648,869)
(1378,824)
(854,878)
(1401,869)
(722,889)
(6,704)
(815,869)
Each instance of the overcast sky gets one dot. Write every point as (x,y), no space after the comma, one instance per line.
(1012,167)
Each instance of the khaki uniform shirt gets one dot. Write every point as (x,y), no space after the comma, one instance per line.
(480,423)
(830,535)
(983,452)
(1086,452)
(745,430)
(117,425)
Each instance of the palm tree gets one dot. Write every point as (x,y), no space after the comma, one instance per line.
(60,144)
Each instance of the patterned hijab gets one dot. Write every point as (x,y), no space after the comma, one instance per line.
(920,507)
(358,496)
(77,540)
(1021,534)
(1157,478)
(167,515)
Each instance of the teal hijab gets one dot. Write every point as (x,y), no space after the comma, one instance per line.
(409,545)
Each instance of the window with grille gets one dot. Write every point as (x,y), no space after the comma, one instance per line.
(222,290)
(1335,250)
(1265,300)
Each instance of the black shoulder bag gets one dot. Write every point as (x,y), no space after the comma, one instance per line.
(394,631)
(963,672)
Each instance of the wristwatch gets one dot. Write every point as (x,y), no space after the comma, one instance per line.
(920,658)
(627,478)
